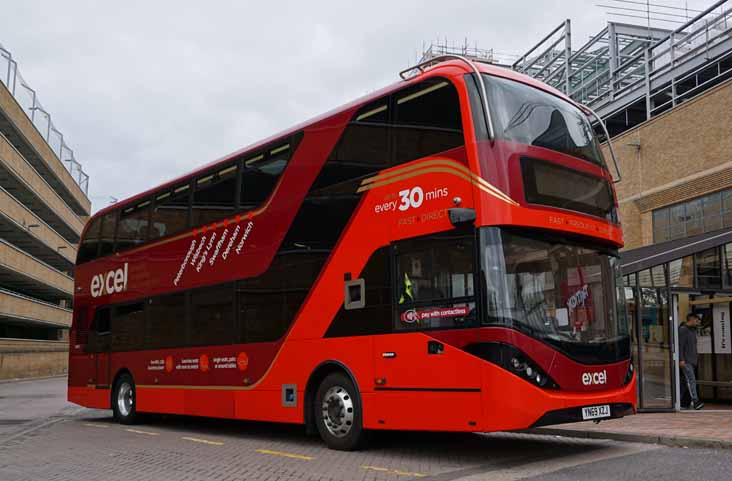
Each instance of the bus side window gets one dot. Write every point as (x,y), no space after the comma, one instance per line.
(434,284)
(363,148)
(261,172)
(102,321)
(427,120)
(106,236)
(133,226)
(166,325)
(170,214)
(212,315)
(375,316)
(90,243)
(214,196)
(267,304)
(128,326)
(99,329)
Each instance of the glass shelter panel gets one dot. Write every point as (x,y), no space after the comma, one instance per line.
(655,349)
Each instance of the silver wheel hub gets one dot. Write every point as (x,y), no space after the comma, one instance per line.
(338,411)
(125,399)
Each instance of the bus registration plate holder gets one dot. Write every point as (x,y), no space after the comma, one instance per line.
(596,412)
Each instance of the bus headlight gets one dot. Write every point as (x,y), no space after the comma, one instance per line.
(511,359)
(629,373)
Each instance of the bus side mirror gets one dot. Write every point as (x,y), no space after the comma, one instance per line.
(354,294)
(461,215)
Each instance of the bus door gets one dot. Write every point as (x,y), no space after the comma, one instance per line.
(101,344)
(434,316)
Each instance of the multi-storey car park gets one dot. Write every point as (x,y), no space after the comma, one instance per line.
(43,208)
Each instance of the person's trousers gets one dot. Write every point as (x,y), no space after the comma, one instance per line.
(690,377)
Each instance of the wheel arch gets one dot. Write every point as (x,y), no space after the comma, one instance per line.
(321,371)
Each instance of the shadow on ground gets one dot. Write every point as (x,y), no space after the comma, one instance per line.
(462,448)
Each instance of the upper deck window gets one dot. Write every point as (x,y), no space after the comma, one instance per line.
(90,243)
(106,236)
(214,196)
(528,115)
(426,120)
(261,173)
(133,226)
(170,214)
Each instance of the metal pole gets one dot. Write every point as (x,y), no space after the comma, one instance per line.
(672,52)
(10,62)
(567,54)
(613,53)
(481,84)
(647,61)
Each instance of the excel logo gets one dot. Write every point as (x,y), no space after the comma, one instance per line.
(593,378)
(109,282)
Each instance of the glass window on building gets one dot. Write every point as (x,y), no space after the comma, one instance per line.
(696,216)
(681,272)
(708,270)
(727,265)
(660,225)
(653,277)
(712,212)
(727,208)
(677,222)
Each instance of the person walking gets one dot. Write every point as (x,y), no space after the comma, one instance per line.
(688,357)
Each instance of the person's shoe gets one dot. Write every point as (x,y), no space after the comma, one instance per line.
(698,405)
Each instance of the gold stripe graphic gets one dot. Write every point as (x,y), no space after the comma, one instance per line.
(424,167)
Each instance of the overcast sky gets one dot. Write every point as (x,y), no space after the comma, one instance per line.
(144,91)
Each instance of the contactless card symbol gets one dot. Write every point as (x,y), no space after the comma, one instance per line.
(410,316)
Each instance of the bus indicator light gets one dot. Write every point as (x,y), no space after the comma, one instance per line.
(203,363)
(242,361)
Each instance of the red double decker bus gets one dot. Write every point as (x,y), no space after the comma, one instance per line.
(439,255)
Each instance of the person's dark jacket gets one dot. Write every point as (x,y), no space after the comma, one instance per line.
(687,345)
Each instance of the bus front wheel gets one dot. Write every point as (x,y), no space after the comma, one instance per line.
(123,400)
(338,413)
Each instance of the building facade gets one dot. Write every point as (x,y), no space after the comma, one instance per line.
(43,207)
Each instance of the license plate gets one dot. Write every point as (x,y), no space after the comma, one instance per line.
(596,412)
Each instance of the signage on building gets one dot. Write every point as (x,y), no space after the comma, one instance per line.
(720,314)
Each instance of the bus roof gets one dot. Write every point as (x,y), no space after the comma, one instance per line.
(445,68)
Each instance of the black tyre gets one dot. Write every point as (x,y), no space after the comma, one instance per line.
(338,413)
(124,400)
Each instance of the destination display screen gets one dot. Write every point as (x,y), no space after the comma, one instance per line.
(546,183)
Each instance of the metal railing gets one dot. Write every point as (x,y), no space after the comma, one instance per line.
(625,60)
(39,116)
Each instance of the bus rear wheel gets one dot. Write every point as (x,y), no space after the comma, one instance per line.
(123,400)
(338,413)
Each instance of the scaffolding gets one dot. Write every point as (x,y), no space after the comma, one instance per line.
(628,73)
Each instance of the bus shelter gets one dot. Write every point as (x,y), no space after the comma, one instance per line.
(663,283)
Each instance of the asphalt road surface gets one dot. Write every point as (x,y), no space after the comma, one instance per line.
(42,437)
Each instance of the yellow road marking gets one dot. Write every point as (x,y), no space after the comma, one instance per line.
(398,472)
(96,425)
(137,431)
(203,441)
(286,455)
